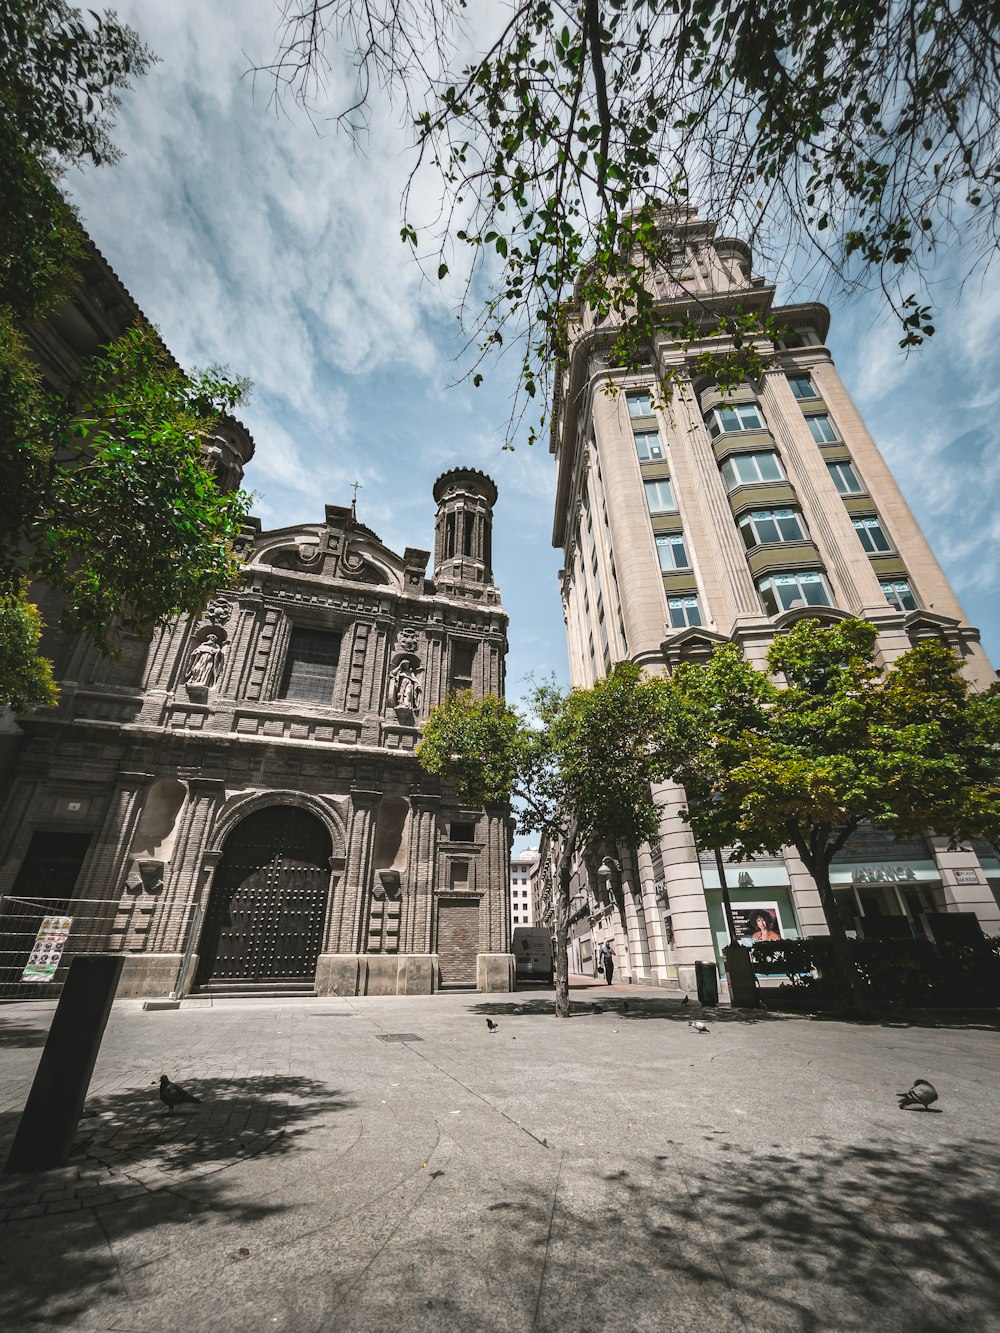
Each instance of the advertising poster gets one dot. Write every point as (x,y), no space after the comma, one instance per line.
(46,952)
(757,923)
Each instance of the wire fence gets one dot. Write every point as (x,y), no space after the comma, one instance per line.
(39,938)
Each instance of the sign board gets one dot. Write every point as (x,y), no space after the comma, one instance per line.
(756,923)
(46,952)
(966,877)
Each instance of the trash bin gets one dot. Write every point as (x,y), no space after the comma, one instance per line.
(706,976)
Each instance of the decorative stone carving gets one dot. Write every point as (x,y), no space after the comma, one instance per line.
(406,640)
(204,666)
(218,611)
(405,690)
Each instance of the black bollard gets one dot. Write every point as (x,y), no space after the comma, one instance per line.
(48,1126)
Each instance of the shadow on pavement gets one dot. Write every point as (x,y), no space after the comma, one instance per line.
(21,1034)
(622,1006)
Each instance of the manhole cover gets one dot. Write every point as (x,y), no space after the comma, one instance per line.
(398,1036)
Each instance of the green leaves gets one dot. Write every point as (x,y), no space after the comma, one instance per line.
(125,516)
(25,676)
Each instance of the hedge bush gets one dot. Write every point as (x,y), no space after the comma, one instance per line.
(917,973)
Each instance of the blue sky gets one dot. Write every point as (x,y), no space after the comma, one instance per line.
(270,243)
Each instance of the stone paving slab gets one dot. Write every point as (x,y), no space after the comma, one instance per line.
(616,1171)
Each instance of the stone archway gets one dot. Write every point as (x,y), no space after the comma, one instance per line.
(267,908)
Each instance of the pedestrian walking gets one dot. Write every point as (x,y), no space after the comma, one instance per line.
(607,957)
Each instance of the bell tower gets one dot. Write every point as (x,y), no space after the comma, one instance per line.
(463,529)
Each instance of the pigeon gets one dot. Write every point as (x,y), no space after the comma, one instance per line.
(698,1025)
(921,1094)
(172,1094)
(685,1002)
(491,1025)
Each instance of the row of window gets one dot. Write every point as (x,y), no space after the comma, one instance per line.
(783,592)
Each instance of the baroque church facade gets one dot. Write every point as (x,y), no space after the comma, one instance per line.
(236,804)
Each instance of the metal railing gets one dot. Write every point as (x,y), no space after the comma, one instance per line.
(132,925)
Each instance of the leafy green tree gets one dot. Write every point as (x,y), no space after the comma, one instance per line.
(105,491)
(838,740)
(579,766)
(865,134)
(61,73)
(124,517)
(25,677)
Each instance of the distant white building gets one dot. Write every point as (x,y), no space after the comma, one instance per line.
(523,865)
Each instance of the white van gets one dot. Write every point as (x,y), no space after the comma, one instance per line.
(532,950)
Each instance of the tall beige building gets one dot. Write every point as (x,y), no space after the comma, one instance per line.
(724,518)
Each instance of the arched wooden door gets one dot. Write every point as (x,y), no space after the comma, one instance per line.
(268,903)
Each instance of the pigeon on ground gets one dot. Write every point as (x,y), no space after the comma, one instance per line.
(491,1025)
(698,1025)
(172,1094)
(685,1002)
(921,1094)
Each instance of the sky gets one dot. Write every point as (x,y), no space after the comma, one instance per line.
(261,239)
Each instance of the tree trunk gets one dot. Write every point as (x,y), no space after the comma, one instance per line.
(839,944)
(560,904)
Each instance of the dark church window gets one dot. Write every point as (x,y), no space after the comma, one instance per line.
(462,658)
(311,665)
(463,832)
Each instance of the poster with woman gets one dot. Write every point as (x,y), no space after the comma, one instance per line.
(757,923)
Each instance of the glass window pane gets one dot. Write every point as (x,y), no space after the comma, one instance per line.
(749,417)
(845,478)
(801,386)
(789,525)
(822,428)
(770,468)
(639,404)
(647,444)
(660,496)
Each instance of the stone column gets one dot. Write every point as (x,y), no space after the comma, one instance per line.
(962,892)
(685,888)
(343,969)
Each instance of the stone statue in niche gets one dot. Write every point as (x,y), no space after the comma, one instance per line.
(404,685)
(205,663)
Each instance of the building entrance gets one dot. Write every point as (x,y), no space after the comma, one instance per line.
(267,908)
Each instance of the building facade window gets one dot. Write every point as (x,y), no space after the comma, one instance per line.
(640,403)
(846,479)
(763,527)
(733,417)
(870,534)
(801,386)
(899,594)
(822,428)
(672,552)
(782,592)
(746,469)
(463,660)
(647,445)
(310,665)
(660,496)
(684,611)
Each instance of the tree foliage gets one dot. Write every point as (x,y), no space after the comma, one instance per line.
(105,491)
(579,765)
(862,136)
(116,507)
(835,740)
(25,676)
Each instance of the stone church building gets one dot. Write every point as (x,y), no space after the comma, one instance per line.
(242,793)
(235,805)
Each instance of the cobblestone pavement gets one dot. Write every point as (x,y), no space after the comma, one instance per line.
(390,1163)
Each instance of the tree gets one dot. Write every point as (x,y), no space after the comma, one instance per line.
(841,740)
(580,765)
(863,134)
(105,492)
(25,677)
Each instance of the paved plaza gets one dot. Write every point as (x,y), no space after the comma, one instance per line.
(361,1164)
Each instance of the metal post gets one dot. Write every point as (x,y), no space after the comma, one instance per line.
(48,1125)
